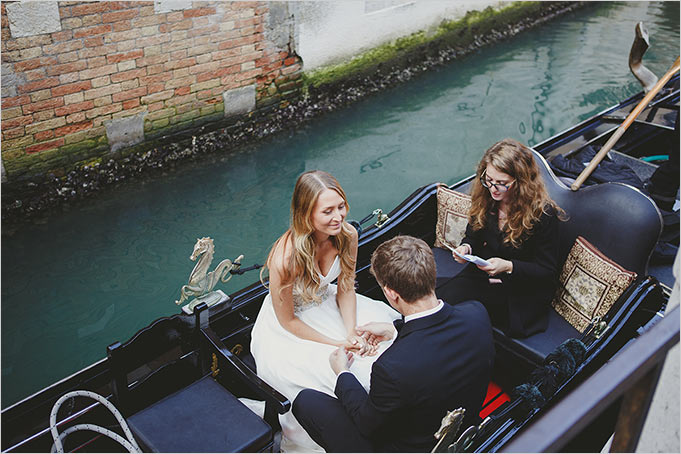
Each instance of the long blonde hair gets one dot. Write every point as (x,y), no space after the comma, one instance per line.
(302,271)
(529,197)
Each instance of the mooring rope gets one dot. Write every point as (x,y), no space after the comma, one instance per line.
(130,444)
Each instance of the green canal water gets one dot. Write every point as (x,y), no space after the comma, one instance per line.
(100,272)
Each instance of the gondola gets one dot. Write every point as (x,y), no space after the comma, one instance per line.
(201,361)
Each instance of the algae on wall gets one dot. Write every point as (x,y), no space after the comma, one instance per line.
(458,33)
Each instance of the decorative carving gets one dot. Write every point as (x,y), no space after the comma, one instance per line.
(214,370)
(201,282)
(449,428)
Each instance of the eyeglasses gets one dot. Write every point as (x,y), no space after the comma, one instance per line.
(498,186)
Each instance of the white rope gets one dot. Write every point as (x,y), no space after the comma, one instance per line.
(130,444)
(94,428)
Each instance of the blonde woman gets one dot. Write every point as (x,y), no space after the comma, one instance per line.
(305,317)
(513,224)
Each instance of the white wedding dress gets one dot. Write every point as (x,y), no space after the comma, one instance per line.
(291,364)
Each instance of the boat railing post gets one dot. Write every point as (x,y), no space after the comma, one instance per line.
(634,410)
(118,380)
(201,318)
(201,315)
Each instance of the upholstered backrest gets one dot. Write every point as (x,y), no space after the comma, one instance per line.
(153,363)
(619,220)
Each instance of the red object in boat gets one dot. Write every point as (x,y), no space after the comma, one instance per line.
(493,400)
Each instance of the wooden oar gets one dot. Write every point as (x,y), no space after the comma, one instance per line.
(623,127)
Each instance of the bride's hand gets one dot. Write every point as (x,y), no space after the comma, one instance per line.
(360,345)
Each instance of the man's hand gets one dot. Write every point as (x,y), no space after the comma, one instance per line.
(376,332)
(340,360)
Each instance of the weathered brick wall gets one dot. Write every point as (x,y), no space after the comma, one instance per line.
(115,73)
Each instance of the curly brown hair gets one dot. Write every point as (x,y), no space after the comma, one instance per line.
(529,196)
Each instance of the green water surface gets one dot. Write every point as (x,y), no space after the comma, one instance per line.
(101,271)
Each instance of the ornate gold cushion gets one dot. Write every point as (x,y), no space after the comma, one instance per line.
(589,284)
(452,216)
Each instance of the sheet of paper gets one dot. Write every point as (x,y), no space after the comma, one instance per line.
(469,257)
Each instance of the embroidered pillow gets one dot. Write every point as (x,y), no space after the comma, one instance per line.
(589,284)
(452,216)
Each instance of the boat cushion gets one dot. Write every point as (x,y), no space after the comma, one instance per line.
(596,213)
(537,346)
(446,266)
(452,216)
(589,284)
(202,417)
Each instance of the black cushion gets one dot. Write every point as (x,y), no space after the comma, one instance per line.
(447,267)
(202,417)
(537,347)
(597,213)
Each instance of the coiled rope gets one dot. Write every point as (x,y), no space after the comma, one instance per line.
(130,444)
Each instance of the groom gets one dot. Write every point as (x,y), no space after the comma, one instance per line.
(441,360)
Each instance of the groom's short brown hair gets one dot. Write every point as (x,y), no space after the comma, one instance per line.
(406,265)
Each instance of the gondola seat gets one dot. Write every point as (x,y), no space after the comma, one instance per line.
(596,213)
(171,402)
(202,417)
(447,267)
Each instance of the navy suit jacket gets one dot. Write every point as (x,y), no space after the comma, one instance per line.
(436,364)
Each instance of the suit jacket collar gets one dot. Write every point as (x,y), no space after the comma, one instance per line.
(425,322)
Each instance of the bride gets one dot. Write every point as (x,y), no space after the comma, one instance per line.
(305,317)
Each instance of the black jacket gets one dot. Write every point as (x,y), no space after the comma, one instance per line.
(436,364)
(532,284)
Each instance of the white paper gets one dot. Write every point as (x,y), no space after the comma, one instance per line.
(469,257)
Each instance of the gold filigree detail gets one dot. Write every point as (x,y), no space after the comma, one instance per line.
(214,371)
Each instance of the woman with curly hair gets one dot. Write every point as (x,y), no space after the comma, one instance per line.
(513,224)
(305,317)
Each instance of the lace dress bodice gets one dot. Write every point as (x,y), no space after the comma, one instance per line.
(299,304)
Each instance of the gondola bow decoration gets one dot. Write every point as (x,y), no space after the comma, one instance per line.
(201,282)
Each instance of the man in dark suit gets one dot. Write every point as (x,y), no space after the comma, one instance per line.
(440,360)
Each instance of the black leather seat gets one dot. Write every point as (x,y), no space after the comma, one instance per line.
(622,222)
(163,387)
(447,267)
(618,219)
(202,417)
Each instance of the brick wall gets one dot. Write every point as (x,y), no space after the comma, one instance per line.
(115,73)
